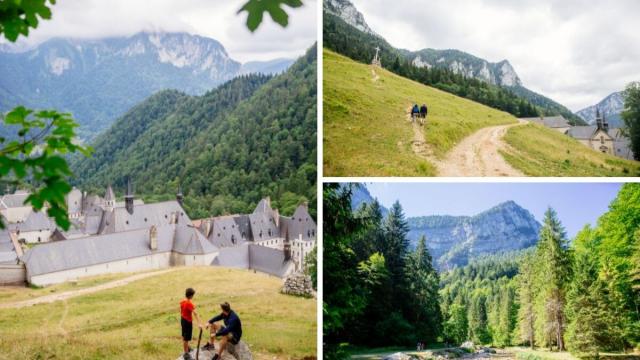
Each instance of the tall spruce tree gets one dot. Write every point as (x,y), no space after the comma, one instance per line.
(552,272)
(396,245)
(526,297)
(423,284)
(585,299)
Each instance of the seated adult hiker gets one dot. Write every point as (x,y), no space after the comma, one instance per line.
(187,312)
(230,332)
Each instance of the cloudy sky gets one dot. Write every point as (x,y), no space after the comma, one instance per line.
(574,51)
(211,18)
(472,198)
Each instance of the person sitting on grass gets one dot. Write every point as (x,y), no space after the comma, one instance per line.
(230,332)
(187,312)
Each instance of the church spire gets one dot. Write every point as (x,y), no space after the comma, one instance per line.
(109,198)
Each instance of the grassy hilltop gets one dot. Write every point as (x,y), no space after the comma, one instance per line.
(366,132)
(141,320)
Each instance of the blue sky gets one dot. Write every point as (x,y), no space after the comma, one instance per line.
(577,204)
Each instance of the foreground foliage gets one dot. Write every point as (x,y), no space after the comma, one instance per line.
(373,283)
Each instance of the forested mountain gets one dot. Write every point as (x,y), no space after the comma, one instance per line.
(579,294)
(454,240)
(270,67)
(496,85)
(99,80)
(251,137)
(611,106)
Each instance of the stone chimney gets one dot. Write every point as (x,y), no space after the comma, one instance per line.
(179,196)
(153,238)
(276,217)
(287,249)
(207,227)
(128,198)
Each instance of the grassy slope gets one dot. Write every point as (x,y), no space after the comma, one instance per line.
(538,151)
(357,144)
(140,320)
(9,294)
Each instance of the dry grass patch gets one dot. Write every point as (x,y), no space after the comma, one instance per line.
(141,320)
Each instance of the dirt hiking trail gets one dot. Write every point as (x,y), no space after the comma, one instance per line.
(74,293)
(476,155)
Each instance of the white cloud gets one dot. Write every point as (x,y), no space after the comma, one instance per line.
(215,19)
(573,51)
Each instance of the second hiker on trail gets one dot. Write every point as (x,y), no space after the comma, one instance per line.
(230,332)
(423,111)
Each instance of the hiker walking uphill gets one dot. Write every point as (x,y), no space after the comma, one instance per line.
(230,332)
(419,113)
(415,112)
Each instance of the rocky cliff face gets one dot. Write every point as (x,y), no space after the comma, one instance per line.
(345,10)
(611,106)
(98,80)
(501,73)
(454,240)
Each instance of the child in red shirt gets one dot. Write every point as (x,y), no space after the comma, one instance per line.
(187,309)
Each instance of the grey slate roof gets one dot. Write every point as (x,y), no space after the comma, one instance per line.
(13,200)
(225,232)
(37,220)
(101,249)
(7,252)
(74,201)
(263,226)
(143,216)
(252,256)
(301,224)
(550,121)
(233,257)
(582,132)
(189,241)
(267,260)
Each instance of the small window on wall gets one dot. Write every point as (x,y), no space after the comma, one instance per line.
(39,239)
(269,232)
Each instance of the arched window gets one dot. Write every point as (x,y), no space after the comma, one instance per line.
(233,239)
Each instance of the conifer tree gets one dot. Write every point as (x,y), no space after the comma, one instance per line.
(552,271)
(395,244)
(584,298)
(423,283)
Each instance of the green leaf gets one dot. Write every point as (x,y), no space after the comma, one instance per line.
(256,8)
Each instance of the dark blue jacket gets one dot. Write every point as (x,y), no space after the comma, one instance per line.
(232,324)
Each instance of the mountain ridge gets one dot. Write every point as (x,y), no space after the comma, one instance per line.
(611,106)
(98,80)
(251,137)
(501,74)
(455,240)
